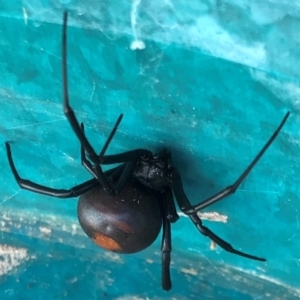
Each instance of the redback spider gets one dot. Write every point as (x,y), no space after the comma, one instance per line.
(123,209)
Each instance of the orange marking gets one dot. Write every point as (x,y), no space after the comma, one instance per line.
(105,242)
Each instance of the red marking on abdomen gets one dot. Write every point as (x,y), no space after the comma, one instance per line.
(106,242)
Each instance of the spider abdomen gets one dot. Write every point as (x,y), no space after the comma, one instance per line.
(125,223)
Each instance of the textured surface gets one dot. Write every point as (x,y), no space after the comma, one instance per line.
(213,81)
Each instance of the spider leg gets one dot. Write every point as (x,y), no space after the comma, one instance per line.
(117,158)
(166,246)
(58,193)
(188,209)
(84,161)
(68,111)
(122,157)
(123,172)
(172,215)
(40,189)
(95,169)
(232,188)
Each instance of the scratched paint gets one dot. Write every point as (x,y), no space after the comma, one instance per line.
(11,258)
(75,260)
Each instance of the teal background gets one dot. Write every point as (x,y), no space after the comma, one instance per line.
(211,85)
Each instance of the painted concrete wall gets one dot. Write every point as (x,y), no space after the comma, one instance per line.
(210,81)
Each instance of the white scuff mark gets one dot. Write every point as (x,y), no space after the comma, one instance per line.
(262,191)
(213,216)
(269,279)
(131,297)
(213,245)
(63,178)
(93,91)
(75,228)
(32,124)
(70,159)
(48,113)
(297,227)
(73,280)
(10,197)
(289,92)
(136,44)
(292,237)
(296,260)
(215,40)
(25,16)
(190,271)
(217,270)
(11,257)
(45,230)
(5,217)
(209,216)
(179,62)
(113,257)
(47,52)
(194,124)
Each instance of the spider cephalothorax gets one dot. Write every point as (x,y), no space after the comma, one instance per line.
(154,172)
(124,208)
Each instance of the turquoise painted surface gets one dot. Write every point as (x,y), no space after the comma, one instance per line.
(212,84)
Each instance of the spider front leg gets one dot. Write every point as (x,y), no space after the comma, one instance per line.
(232,188)
(188,209)
(122,174)
(96,168)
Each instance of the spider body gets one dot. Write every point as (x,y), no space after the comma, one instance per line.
(124,208)
(154,171)
(124,223)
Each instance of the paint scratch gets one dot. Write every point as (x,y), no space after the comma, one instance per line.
(32,124)
(93,91)
(10,197)
(297,228)
(25,16)
(137,44)
(256,191)
(11,257)
(209,216)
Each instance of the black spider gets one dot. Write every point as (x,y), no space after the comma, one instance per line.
(123,209)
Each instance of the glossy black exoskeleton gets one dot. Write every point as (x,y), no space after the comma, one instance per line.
(123,209)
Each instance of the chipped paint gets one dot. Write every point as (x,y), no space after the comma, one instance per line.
(45,230)
(190,271)
(11,257)
(209,216)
